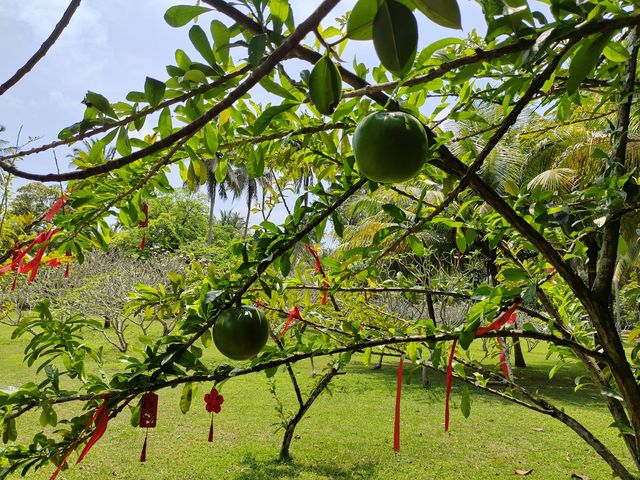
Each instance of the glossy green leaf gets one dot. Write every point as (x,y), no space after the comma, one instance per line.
(186,397)
(585,60)
(257,46)
(180,15)
(443,12)
(201,43)
(154,91)
(165,126)
(100,103)
(221,38)
(325,86)
(123,146)
(255,163)
(221,170)
(465,402)
(360,22)
(210,139)
(279,9)
(616,52)
(395,36)
(268,115)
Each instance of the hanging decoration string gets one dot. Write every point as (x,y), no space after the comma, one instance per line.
(396,422)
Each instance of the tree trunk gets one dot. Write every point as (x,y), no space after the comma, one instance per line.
(518,355)
(212,204)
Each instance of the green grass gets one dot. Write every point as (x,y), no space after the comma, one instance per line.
(345,435)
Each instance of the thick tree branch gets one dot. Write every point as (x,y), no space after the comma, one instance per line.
(44,48)
(261,71)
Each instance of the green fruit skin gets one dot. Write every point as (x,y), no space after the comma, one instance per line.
(390,146)
(240,333)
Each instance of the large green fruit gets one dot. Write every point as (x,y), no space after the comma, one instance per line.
(390,146)
(240,333)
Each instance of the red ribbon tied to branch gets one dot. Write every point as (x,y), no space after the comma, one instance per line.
(294,313)
(320,270)
(55,208)
(213,404)
(396,422)
(508,317)
(144,207)
(101,420)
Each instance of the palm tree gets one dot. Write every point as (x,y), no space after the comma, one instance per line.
(230,184)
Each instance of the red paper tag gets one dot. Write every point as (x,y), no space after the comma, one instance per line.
(148,410)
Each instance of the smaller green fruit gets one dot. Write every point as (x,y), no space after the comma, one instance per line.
(240,333)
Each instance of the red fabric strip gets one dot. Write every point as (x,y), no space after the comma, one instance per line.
(144,224)
(503,360)
(55,208)
(449,382)
(318,267)
(77,440)
(501,321)
(211,429)
(54,262)
(396,423)
(66,270)
(101,419)
(294,313)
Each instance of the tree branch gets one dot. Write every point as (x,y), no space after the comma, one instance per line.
(44,48)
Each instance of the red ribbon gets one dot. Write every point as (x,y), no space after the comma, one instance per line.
(294,313)
(144,207)
(55,208)
(552,279)
(34,264)
(508,317)
(104,419)
(66,270)
(396,422)
(503,360)
(319,269)
(449,382)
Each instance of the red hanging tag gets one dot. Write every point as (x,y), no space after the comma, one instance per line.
(260,303)
(294,313)
(449,382)
(213,404)
(148,410)
(148,418)
(552,278)
(396,422)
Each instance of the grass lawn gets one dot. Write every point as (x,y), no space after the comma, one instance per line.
(347,434)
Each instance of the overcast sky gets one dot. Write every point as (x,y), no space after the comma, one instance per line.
(109,47)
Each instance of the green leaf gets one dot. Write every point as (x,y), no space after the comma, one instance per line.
(180,15)
(221,37)
(123,146)
(616,52)
(461,240)
(186,397)
(221,170)
(366,358)
(325,86)
(585,60)
(255,163)
(412,351)
(395,37)
(416,245)
(257,46)
(394,212)
(210,139)
(165,127)
(445,13)
(206,338)
(285,264)
(468,334)
(154,91)
(360,22)
(279,9)
(100,103)
(465,402)
(268,115)
(514,274)
(202,45)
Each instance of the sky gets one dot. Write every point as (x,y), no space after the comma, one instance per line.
(110,47)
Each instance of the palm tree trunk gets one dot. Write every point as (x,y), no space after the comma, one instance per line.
(246,222)
(212,204)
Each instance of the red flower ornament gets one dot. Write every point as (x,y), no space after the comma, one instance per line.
(213,403)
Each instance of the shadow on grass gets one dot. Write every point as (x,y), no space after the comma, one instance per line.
(253,469)
(535,378)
